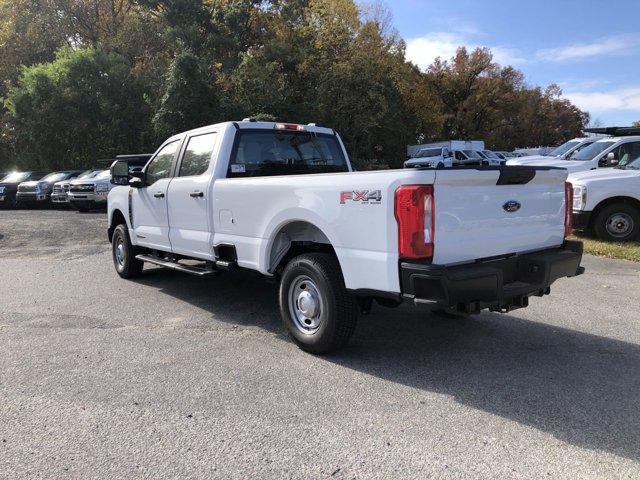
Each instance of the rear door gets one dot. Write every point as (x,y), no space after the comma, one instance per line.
(482,213)
(149,203)
(189,198)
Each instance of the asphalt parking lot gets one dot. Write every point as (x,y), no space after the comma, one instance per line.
(172,376)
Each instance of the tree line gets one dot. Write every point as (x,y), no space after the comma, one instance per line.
(82,80)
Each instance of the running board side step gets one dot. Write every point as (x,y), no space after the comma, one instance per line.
(225,265)
(199,271)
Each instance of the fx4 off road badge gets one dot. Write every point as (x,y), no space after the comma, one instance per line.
(361,196)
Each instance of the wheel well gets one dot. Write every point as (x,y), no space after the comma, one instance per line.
(293,239)
(610,201)
(117,218)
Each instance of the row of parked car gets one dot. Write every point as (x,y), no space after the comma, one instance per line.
(605,174)
(604,169)
(456,153)
(83,190)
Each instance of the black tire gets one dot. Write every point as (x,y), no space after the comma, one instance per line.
(337,315)
(619,222)
(125,262)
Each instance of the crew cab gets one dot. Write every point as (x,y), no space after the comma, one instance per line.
(608,201)
(282,200)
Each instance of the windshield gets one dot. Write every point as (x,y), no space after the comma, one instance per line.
(472,154)
(490,154)
(54,177)
(592,151)
(103,174)
(16,177)
(86,174)
(564,148)
(269,152)
(429,152)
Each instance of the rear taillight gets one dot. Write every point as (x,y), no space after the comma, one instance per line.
(568,208)
(415,213)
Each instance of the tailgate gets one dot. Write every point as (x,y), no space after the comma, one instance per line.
(490,212)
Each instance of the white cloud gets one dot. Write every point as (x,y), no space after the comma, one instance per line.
(615,45)
(425,49)
(627,98)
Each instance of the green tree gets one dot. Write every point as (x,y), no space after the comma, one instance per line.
(189,98)
(82,106)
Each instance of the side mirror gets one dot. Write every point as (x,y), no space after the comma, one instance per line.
(120,172)
(610,160)
(136,182)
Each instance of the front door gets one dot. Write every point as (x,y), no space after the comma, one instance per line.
(190,226)
(149,203)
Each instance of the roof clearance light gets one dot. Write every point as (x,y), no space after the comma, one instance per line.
(289,126)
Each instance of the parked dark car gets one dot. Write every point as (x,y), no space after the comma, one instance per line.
(9,186)
(38,192)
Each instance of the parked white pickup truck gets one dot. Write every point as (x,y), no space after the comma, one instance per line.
(608,201)
(606,152)
(563,152)
(283,200)
(431,157)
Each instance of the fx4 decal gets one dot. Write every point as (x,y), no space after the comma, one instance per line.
(361,196)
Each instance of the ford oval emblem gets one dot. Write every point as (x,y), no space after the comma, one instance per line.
(511,206)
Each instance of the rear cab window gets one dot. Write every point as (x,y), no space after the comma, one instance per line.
(197,155)
(266,152)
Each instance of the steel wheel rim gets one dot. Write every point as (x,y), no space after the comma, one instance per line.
(119,252)
(305,305)
(619,225)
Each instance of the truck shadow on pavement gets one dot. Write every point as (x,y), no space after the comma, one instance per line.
(581,388)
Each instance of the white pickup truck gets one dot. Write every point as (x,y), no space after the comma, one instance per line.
(607,201)
(283,200)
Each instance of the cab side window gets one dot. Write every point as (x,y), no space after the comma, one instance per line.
(627,152)
(197,155)
(160,166)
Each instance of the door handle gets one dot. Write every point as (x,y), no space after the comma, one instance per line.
(196,194)
(158,195)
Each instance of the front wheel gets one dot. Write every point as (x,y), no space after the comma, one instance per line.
(318,312)
(618,222)
(124,255)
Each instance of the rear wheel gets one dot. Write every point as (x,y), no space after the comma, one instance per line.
(124,254)
(318,312)
(618,222)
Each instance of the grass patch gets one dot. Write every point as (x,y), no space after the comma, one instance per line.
(620,250)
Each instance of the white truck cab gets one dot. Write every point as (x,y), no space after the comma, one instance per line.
(563,152)
(463,152)
(434,157)
(282,199)
(608,201)
(605,152)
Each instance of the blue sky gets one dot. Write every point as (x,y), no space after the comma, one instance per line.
(590,48)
